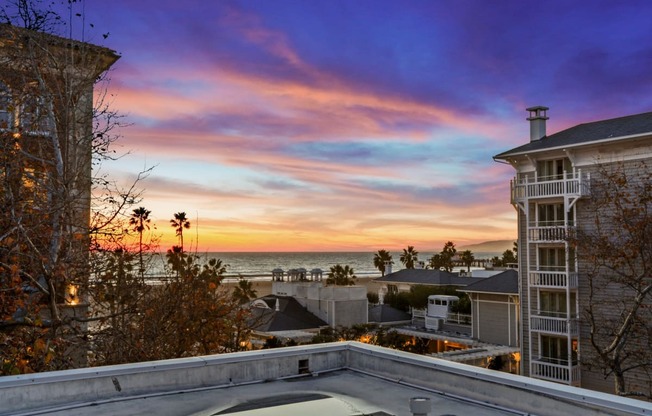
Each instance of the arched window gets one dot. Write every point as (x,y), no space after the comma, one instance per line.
(6,107)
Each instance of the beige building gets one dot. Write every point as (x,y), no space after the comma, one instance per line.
(50,130)
(48,136)
(552,193)
(336,305)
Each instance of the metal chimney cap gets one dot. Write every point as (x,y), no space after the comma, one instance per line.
(537,107)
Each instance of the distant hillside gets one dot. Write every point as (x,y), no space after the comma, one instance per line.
(498,246)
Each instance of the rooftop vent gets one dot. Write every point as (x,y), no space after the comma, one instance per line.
(537,119)
(420,406)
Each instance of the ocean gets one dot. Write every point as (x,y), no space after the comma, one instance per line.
(259,265)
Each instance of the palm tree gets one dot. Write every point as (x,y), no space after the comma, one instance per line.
(381,259)
(409,257)
(467,258)
(139,220)
(341,276)
(447,254)
(179,222)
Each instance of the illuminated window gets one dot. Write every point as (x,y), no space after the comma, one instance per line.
(72,295)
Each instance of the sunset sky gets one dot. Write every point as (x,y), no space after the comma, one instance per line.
(354,125)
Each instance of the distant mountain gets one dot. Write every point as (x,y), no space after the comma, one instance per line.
(498,246)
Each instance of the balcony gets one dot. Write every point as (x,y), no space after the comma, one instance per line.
(550,234)
(553,279)
(553,325)
(572,184)
(560,373)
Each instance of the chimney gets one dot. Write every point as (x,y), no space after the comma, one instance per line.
(388,267)
(537,121)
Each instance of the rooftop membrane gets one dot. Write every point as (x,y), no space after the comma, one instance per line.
(346,378)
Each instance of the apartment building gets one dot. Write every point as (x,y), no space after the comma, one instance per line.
(552,194)
(49,131)
(49,134)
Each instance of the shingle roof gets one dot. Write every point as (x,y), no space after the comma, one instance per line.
(386,313)
(426,277)
(505,282)
(290,316)
(614,128)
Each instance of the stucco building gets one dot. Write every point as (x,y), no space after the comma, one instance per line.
(49,131)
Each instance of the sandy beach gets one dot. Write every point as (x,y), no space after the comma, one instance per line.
(264,287)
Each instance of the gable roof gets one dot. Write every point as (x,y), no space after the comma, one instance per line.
(503,283)
(426,277)
(598,131)
(290,316)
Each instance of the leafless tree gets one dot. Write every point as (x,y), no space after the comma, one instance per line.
(615,258)
(53,131)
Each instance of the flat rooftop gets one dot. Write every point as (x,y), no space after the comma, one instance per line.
(338,379)
(337,393)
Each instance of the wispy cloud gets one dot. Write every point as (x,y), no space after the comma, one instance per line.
(357,125)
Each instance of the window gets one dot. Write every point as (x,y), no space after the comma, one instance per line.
(552,170)
(549,215)
(555,350)
(552,259)
(34,116)
(554,304)
(6,107)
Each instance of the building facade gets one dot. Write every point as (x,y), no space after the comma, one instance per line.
(495,309)
(49,135)
(552,194)
(50,130)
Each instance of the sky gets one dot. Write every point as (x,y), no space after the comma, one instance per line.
(353,125)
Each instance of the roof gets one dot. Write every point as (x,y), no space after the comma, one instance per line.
(504,283)
(582,134)
(426,277)
(290,316)
(105,56)
(344,378)
(386,313)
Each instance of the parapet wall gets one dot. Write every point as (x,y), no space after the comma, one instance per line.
(28,393)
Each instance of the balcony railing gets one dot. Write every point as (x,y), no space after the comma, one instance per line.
(451,317)
(554,325)
(550,234)
(560,373)
(568,184)
(553,279)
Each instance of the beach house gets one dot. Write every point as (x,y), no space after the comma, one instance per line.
(564,289)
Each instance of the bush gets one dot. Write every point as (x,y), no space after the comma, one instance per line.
(400,300)
(373,298)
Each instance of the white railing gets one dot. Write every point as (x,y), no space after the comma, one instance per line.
(458,318)
(568,184)
(550,234)
(418,313)
(554,325)
(553,279)
(452,317)
(568,374)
